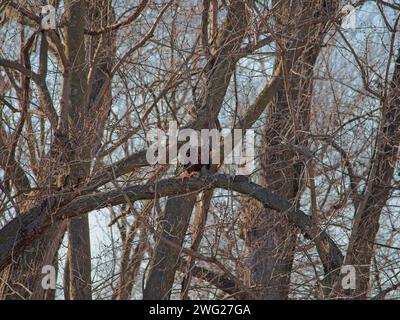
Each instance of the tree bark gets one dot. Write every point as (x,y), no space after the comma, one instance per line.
(377,192)
(178,210)
(77,137)
(270,239)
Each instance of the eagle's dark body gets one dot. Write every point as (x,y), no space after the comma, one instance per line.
(196,167)
(192,169)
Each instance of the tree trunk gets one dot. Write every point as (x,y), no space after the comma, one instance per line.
(77,138)
(179,209)
(269,237)
(377,192)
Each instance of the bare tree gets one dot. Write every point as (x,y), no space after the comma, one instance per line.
(77,192)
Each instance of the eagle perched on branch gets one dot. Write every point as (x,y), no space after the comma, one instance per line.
(197,168)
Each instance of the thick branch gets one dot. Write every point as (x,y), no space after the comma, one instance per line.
(14,236)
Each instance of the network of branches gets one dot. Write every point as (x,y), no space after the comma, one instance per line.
(319,85)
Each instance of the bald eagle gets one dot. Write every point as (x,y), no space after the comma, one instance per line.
(195,169)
